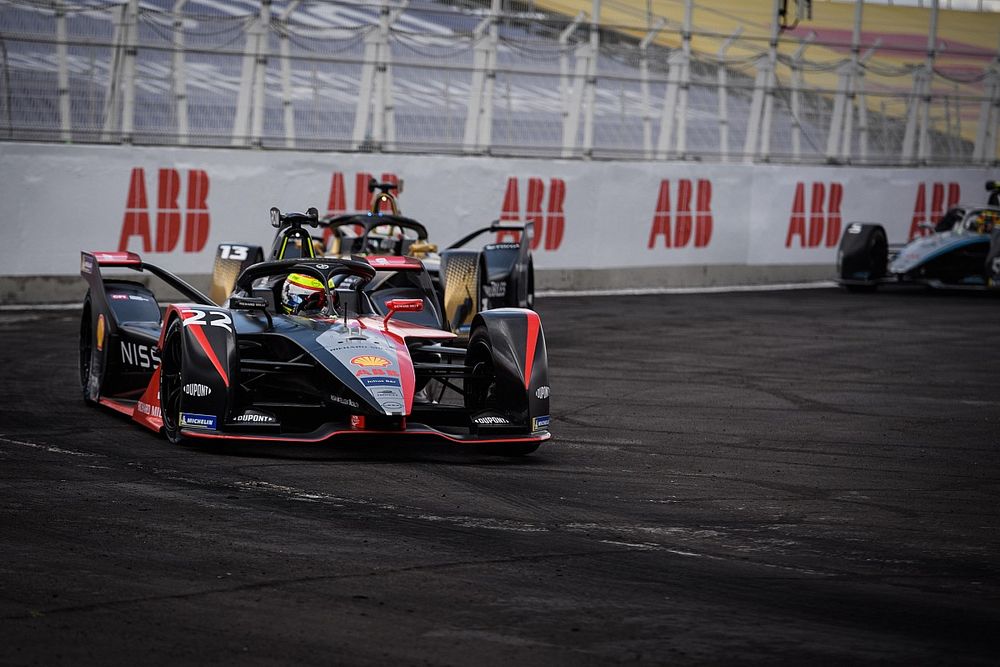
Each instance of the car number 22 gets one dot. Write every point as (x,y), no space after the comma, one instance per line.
(207,317)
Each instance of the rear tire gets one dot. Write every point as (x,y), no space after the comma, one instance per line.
(87,351)
(171,381)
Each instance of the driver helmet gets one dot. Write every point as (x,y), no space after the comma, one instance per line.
(301,289)
(986,222)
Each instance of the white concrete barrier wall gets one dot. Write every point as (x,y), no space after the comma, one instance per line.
(175,205)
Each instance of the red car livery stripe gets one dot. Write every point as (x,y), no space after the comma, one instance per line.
(529,357)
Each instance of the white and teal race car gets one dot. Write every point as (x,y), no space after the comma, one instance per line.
(961,252)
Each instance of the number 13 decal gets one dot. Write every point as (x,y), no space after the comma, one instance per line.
(207,317)
(237,252)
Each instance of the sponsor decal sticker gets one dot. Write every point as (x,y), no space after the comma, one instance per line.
(323,266)
(392,405)
(379,381)
(196,389)
(502,246)
(147,409)
(370,360)
(192,420)
(357,421)
(542,392)
(256,418)
(87,265)
(140,356)
(855,228)
(491,420)
(495,290)
(349,402)
(539,423)
(387,393)
(119,297)
(100,332)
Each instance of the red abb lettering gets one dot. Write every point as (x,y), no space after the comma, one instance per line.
(533,209)
(549,222)
(698,220)
(511,211)
(824,216)
(661,219)
(557,218)
(196,232)
(168,216)
(703,219)
(362,197)
(136,222)
(833,214)
(817,219)
(682,230)
(939,204)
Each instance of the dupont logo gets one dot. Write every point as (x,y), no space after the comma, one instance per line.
(822,226)
(677,231)
(547,214)
(136,222)
(199,390)
(191,420)
(943,196)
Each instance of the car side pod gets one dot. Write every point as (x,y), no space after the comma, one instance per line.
(862,256)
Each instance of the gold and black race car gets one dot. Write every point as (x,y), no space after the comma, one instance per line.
(466,280)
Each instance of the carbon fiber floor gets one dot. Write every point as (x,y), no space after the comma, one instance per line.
(770,477)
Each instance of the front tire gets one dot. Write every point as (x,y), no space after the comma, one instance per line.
(88,363)
(485,390)
(171,381)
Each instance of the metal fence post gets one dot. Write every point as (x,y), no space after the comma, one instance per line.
(65,124)
(128,98)
(179,79)
(288,110)
(647,111)
(722,94)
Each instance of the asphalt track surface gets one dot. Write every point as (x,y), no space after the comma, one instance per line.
(784,477)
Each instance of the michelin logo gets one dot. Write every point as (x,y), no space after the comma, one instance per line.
(191,420)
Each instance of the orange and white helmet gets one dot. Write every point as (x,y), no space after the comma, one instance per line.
(302,293)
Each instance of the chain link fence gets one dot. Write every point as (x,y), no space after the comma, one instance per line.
(446,78)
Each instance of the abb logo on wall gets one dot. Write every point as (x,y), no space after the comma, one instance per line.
(682,229)
(549,225)
(938,205)
(168,212)
(337,202)
(824,216)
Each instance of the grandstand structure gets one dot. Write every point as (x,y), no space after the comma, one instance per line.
(714,80)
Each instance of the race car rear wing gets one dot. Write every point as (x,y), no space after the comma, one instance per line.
(91,264)
(497,226)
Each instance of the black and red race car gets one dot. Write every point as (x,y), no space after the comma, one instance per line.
(467,279)
(248,371)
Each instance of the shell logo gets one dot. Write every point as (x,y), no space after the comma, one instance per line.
(369,361)
(100,332)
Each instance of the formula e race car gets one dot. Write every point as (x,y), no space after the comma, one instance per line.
(465,280)
(341,366)
(962,251)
